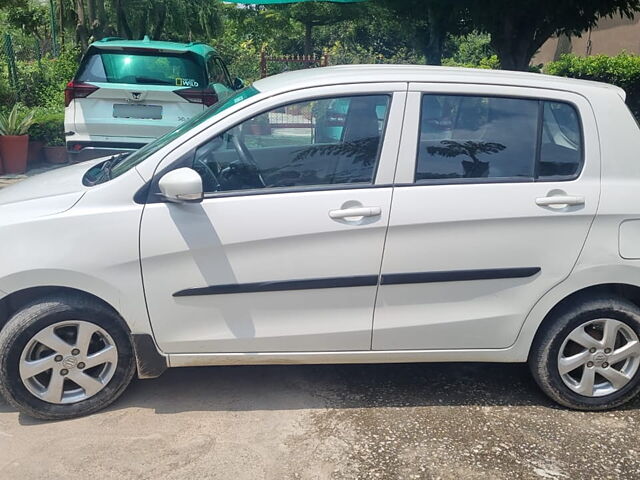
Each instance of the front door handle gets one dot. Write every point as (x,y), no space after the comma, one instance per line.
(558,200)
(355,212)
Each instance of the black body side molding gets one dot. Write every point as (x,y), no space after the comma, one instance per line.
(458,275)
(309,284)
(361,281)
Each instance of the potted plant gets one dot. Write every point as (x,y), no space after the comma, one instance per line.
(37,140)
(49,129)
(55,150)
(14,139)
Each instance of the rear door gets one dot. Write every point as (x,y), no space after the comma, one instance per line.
(497,188)
(139,92)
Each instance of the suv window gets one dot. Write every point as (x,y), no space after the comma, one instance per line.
(143,68)
(300,144)
(480,138)
(217,72)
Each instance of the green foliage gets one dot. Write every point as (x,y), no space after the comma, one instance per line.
(471,49)
(622,70)
(42,83)
(16,122)
(491,62)
(341,54)
(48,127)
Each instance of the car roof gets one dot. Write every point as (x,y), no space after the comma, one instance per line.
(112,43)
(342,74)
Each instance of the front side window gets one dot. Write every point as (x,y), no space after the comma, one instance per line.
(312,143)
(482,138)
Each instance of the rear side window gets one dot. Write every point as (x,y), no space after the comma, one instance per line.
(482,138)
(143,68)
(561,144)
(217,72)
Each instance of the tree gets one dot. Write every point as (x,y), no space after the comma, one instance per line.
(432,21)
(519,29)
(315,14)
(179,20)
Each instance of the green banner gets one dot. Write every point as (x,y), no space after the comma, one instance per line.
(273,2)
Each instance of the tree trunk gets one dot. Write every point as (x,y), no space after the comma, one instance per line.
(91,11)
(162,16)
(124,30)
(308,38)
(433,48)
(101,14)
(82,34)
(61,22)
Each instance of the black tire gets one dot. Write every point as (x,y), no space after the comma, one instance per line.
(34,317)
(543,358)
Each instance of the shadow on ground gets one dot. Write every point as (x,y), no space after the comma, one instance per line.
(248,388)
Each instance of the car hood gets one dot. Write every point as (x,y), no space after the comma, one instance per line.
(44,194)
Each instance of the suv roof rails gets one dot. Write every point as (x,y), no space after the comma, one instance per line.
(110,39)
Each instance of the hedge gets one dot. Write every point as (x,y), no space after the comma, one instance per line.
(622,70)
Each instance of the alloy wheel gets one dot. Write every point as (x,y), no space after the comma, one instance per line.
(68,362)
(599,357)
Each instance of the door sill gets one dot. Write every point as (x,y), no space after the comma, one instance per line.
(383,356)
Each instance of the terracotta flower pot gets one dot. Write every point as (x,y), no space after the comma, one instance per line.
(55,154)
(14,150)
(35,151)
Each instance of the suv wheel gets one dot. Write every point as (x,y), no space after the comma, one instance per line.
(64,357)
(588,356)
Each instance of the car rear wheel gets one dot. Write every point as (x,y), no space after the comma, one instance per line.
(587,356)
(64,357)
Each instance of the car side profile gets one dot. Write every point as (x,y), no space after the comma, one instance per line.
(346,214)
(127,93)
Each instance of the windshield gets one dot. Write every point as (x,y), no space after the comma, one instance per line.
(143,68)
(140,155)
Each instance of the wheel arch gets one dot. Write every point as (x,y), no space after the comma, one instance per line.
(149,361)
(622,290)
(14,301)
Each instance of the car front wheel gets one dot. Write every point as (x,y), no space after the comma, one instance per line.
(64,357)
(587,357)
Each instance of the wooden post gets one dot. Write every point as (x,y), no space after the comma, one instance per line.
(263,63)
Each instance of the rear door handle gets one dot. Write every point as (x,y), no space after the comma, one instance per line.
(560,200)
(355,212)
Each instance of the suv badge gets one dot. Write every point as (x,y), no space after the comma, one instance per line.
(135,96)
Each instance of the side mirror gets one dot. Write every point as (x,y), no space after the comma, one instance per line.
(183,185)
(238,83)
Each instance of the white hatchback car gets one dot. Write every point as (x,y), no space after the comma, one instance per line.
(438,215)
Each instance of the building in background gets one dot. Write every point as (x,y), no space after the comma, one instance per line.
(610,37)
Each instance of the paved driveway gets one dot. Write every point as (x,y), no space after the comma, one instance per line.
(447,421)
(10,179)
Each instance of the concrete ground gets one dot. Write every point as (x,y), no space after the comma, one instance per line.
(9,179)
(432,421)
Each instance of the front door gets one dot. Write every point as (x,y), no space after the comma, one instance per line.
(490,212)
(284,253)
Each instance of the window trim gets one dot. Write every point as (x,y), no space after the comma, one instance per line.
(538,148)
(301,188)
